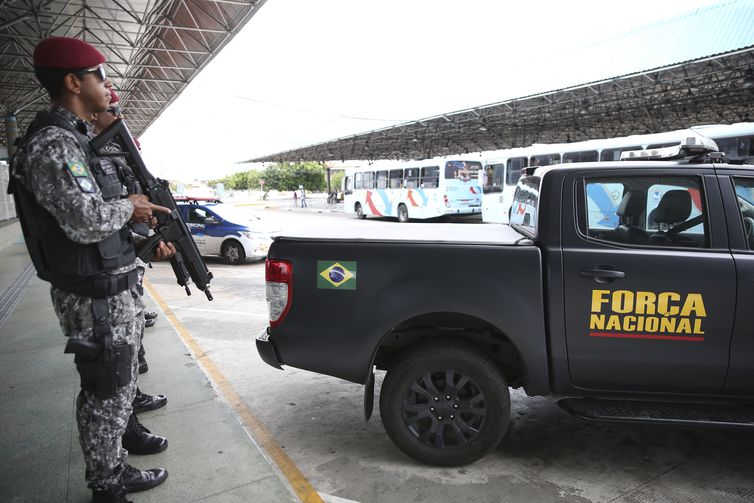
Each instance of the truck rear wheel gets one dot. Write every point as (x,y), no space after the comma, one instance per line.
(445,405)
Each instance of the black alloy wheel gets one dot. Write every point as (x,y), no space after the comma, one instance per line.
(445,405)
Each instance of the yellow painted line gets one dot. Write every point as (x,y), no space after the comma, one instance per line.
(303,488)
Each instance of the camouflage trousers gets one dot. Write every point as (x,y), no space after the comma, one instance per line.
(101,423)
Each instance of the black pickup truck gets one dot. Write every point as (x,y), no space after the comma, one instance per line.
(625,289)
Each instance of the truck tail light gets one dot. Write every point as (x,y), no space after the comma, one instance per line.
(278,275)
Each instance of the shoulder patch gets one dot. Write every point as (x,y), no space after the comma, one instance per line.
(77,168)
(86,185)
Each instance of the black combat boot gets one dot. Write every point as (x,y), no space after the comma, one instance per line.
(139,440)
(135,480)
(143,402)
(143,367)
(116,494)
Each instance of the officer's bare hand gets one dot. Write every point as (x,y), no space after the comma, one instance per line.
(163,251)
(143,209)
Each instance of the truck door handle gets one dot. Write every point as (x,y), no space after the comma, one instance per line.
(602,275)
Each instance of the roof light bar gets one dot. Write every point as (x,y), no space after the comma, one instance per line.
(693,145)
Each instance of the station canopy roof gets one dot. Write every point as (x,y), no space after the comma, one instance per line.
(717,89)
(154,48)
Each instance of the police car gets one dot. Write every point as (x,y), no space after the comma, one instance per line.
(231,232)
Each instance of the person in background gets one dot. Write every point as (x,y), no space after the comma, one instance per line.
(142,402)
(303,196)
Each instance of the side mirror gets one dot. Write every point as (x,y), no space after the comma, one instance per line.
(211,220)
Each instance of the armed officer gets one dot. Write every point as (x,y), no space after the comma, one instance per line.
(75,222)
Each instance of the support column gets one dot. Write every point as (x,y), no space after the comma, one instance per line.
(11,133)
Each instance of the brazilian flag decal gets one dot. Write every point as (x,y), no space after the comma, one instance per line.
(336,275)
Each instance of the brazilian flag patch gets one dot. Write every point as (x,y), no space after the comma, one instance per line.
(336,275)
(77,169)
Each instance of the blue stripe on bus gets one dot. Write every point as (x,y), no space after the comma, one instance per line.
(601,198)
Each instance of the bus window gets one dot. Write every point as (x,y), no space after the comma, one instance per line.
(585,156)
(411,178)
(613,154)
(430,177)
(396,178)
(382,179)
(348,185)
(462,170)
(741,147)
(358,181)
(494,180)
(456,169)
(472,170)
(545,159)
(368,180)
(515,165)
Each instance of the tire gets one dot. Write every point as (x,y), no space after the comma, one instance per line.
(359,211)
(233,252)
(438,422)
(402,213)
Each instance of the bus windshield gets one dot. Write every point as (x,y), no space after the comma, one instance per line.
(462,170)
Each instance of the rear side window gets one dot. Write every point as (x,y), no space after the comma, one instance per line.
(523,211)
(654,211)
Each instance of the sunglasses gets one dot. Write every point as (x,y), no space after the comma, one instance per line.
(98,70)
(116,110)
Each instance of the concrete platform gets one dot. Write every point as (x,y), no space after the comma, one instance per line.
(210,457)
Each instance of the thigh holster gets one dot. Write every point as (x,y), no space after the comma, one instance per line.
(102,365)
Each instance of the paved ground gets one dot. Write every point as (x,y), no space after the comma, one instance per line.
(316,421)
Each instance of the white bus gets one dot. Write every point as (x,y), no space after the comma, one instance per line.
(414,189)
(502,168)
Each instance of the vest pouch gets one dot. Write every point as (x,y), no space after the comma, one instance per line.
(107,178)
(109,251)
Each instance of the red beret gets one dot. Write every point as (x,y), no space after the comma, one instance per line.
(66,53)
(114,98)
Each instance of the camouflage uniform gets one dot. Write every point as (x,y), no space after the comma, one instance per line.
(85,217)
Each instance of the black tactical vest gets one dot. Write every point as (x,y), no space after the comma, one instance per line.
(71,266)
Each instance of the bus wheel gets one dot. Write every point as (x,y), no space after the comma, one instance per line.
(233,253)
(359,211)
(402,213)
(446,405)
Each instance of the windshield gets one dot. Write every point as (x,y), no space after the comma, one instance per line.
(462,170)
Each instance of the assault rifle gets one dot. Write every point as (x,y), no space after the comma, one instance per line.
(187,262)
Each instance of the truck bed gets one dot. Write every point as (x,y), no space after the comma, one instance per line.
(380,231)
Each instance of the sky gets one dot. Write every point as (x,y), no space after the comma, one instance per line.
(302,71)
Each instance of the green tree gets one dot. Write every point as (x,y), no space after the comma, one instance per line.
(336,179)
